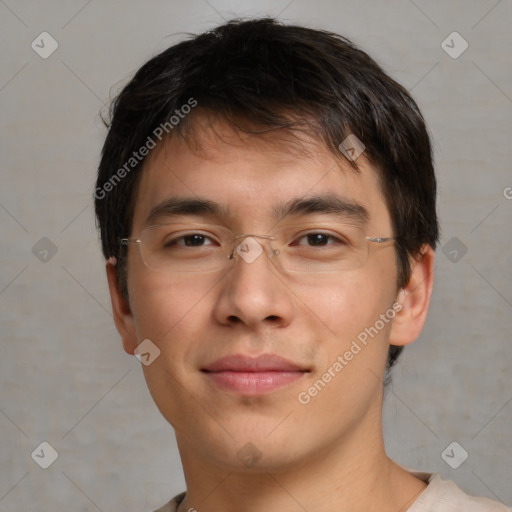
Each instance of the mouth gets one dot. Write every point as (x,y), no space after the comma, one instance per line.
(253,376)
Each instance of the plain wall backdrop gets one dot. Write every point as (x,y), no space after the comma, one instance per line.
(64,377)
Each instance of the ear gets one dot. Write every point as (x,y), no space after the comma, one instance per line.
(414,299)
(123,316)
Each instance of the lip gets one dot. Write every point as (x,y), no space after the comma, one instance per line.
(253,375)
(262,363)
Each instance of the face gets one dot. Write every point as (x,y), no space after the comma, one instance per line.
(250,408)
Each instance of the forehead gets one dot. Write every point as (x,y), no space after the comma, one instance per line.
(251,177)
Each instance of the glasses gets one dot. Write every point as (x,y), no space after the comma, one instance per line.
(322,247)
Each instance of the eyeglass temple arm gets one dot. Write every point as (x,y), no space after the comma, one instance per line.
(379,240)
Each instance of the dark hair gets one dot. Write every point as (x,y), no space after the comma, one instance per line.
(261,75)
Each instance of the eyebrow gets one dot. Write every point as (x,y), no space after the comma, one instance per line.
(186,206)
(322,204)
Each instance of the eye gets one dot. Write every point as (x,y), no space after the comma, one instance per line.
(319,239)
(190,240)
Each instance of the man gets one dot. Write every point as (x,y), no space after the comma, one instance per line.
(266,201)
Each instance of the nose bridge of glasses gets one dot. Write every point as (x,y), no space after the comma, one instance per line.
(253,235)
(248,248)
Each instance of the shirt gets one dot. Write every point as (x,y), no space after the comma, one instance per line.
(439,496)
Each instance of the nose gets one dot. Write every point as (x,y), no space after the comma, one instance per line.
(253,293)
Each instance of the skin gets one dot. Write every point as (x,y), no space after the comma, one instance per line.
(327,455)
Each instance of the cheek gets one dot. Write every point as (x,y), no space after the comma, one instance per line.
(354,351)
(175,317)
(351,312)
(342,306)
(164,309)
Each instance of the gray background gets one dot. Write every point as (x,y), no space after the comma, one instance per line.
(63,374)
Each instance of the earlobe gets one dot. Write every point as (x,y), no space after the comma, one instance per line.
(123,316)
(414,299)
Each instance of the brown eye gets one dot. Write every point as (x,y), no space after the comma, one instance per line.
(192,240)
(318,240)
